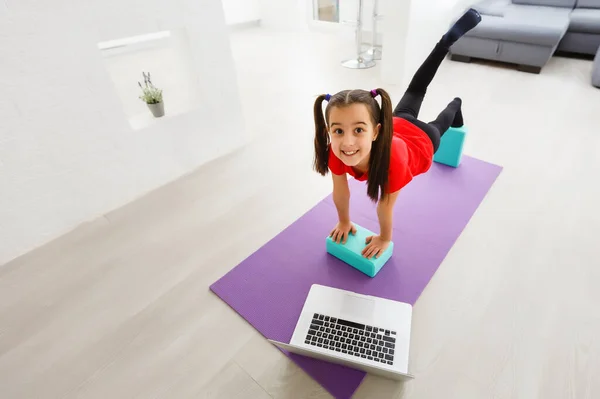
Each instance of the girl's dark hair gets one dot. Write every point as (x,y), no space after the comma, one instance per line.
(379,160)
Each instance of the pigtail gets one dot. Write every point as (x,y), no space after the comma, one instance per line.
(379,163)
(321,141)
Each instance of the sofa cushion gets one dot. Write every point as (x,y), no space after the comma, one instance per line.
(548,3)
(547,32)
(588,4)
(585,20)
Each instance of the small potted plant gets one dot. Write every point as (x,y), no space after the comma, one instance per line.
(152,96)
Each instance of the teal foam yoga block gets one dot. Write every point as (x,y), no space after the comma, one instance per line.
(350,252)
(451,147)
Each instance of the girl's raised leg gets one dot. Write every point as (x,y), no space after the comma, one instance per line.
(410,103)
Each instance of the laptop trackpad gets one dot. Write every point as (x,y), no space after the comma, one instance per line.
(354,306)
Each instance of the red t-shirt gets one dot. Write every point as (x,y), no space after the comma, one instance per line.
(411,155)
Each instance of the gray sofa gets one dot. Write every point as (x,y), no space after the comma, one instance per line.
(528,32)
(596,70)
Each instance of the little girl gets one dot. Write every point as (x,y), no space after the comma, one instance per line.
(387,149)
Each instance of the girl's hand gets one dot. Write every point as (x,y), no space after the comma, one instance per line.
(376,246)
(341,231)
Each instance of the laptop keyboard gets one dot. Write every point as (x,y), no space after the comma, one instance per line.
(359,340)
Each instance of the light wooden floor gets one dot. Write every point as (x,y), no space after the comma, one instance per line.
(120,308)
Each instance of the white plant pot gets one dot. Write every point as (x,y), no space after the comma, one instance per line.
(157,110)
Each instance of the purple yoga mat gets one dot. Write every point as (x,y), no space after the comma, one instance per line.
(269,287)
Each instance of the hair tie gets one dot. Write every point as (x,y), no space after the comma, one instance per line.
(374,92)
(328,97)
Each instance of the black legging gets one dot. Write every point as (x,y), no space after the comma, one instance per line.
(410,104)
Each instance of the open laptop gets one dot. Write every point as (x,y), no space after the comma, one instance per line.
(359,331)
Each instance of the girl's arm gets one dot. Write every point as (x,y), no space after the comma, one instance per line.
(376,245)
(385,212)
(341,197)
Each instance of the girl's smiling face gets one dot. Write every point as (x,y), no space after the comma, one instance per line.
(352,132)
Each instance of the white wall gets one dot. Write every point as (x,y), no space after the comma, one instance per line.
(241,11)
(277,14)
(67,151)
(284,14)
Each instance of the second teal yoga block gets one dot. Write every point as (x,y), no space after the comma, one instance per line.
(451,147)
(350,252)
